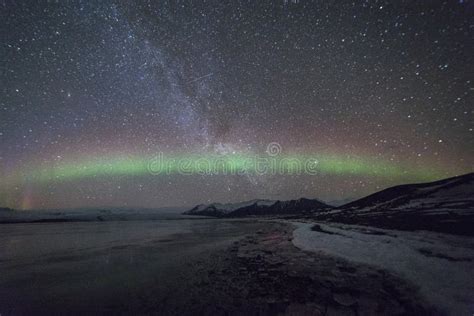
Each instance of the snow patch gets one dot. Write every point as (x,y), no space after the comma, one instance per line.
(441,265)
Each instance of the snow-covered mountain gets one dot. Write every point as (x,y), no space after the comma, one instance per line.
(446,206)
(220,209)
(340,202)
(259,207)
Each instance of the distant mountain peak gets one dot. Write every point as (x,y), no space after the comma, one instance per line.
(258,207)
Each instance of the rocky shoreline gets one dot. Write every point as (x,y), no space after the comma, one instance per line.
(265,274)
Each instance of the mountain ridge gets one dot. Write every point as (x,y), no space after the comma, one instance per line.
(259,207)
(445,205)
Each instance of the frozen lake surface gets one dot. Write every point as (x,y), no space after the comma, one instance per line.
(106,266)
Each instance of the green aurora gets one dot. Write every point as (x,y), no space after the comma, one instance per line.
(181,164)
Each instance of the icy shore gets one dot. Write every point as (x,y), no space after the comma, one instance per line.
(440,265)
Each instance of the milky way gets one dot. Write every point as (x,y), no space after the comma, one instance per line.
(377,93)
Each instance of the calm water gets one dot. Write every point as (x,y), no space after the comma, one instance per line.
(103,266)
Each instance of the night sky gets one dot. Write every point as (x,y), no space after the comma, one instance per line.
(377,92)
